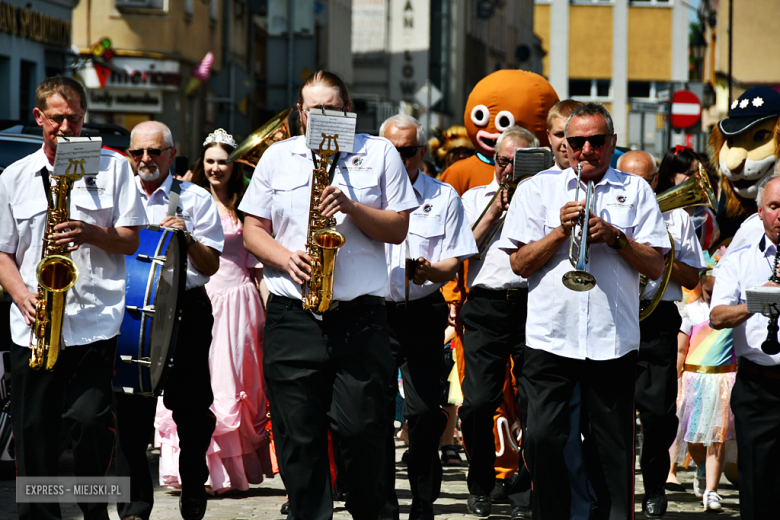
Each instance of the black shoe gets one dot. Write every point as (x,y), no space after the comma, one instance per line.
(192,502)
(654,504)
(421,510)
(479,505)
(674,486)
(521,513)
(285,510)
(499,493)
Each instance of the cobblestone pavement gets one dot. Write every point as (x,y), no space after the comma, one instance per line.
(264,500)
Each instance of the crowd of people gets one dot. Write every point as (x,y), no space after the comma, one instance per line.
(555,360)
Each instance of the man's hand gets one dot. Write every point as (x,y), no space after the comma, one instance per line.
(498,207)
(570,215)
(77,233)
(26,304)
(423,271)
(600,231)
(334,200)
(299,267)
(173,222)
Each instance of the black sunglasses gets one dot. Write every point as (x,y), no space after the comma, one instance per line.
(153,152)
(578,141)
(407,152)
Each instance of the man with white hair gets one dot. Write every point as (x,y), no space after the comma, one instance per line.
(188,388)
(439,239)
(657,364)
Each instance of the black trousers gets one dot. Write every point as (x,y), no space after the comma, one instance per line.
(607,389)
(755,401)
(335,372)
(656,391)
(494,330)
(77,393)
(187,393)
(416,338)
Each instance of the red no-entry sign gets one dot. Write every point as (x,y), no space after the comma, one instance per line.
(686,109)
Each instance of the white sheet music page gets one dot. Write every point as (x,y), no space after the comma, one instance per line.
(77,156)
(331,122)
(765,300)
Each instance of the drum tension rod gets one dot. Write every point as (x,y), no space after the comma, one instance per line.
(156,259)
(149,309)
(143,361)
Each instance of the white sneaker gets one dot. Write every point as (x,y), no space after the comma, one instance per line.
(711,501)
(700,480)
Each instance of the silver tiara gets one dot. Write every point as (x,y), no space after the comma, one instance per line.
(220,136)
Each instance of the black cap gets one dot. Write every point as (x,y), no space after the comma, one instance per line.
(752,107)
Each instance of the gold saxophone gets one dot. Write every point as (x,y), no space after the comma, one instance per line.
(322,242)
(56,273)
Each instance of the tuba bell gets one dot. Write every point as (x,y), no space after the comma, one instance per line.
(696,191)
(253,147)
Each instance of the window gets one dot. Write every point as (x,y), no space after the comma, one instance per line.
(141,6)
(579,87)
(590,88)
(27,84)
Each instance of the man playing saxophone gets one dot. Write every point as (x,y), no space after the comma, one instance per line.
(104,215)
(332,368)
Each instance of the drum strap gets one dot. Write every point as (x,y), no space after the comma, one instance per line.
(47,186)
(173,200)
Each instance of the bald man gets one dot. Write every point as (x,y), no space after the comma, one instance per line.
(659,362)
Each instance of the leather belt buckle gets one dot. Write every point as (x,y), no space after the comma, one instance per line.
(512,294)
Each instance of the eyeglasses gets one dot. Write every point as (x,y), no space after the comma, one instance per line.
(502,162)
(57,120)
(152,152)
(407,152)
(578,141)
(337,109)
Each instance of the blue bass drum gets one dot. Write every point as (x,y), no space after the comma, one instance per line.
(156,277)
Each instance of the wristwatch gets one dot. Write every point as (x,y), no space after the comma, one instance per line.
(620,241)
(188,238)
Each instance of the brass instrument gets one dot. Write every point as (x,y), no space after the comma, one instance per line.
(771,346)
(253,147)
(696,191)
(579,279)
(527,163)
(56,273)
(322,242)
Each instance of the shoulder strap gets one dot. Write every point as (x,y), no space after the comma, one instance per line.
(173,200)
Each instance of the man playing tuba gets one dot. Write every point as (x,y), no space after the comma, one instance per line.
(328,368)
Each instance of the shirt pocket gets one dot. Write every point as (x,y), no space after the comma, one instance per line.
(291,196)
(360,186)
(93,209)
(551,221)
(429,236)
(27,213)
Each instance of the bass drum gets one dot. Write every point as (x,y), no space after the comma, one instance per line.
(156,277)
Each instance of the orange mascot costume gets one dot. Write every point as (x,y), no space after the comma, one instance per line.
(502,99)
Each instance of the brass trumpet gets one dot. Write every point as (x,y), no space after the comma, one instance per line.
(579,279)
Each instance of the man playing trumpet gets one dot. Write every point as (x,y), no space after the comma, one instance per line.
(589,337)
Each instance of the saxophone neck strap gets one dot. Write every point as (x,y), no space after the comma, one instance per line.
(173,198)
(47,186)
(334,160)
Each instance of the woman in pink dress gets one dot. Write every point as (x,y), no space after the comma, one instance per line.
(239,452)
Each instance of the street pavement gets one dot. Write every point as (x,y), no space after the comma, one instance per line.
(264,500)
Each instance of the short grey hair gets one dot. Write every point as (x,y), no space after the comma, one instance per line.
(762,187)
(401,121)
(162,127)
(517,132)
(588,110)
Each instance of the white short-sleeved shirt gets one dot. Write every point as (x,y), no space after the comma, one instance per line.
(280,191)
(95,306)
(686,249)
(602,323)
(745,267)
(749,232)
(438,229)
(199,213)
(493,271)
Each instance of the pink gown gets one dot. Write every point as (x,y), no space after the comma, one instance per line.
(239,451)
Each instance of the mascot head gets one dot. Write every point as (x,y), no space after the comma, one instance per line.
(450,146)
(506,98)
(745,146)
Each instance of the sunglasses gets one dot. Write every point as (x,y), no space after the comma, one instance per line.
(152,152)
(578,141)
(407,152)
(502,162)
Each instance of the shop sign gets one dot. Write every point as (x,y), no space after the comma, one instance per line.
(122,100)
(138,74)
(37,27)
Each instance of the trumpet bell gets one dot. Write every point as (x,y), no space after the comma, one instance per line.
(253,147)
(579,281)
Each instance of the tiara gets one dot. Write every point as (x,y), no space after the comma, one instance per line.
(220,136)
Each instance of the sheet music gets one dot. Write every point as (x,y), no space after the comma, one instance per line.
(77,156)
(331,122)
(530,161)
(765,300)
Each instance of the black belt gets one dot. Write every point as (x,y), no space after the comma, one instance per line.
(360,301)
(499,294)
(765,371)
(434,297)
